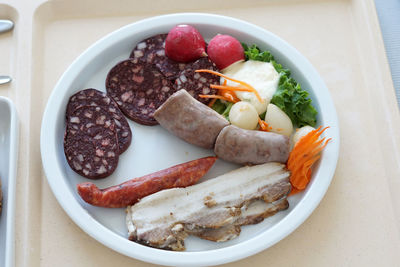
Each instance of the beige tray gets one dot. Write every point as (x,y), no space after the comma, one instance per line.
(356,224)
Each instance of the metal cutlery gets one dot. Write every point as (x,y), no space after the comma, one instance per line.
(6,25)
(5,79)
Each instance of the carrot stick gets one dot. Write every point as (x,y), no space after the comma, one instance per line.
(264,125)
(215,96)
(230,95)
(234,80)
(212,102)
(304,154)
(232,88)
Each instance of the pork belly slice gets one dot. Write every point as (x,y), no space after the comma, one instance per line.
(212,210)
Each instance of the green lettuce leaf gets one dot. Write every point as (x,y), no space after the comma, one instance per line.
(289,97)
(222,108)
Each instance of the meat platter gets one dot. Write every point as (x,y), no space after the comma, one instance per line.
(154,148)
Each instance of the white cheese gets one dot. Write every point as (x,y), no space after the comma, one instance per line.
(261,75)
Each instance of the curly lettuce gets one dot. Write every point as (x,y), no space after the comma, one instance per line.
(289,96)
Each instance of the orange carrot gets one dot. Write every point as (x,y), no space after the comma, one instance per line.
(230,95)
(264,125)
(246,85)
(304,154)
(216,96)
(212,102)
(228,87)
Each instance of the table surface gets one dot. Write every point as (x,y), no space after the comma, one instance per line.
(389,19)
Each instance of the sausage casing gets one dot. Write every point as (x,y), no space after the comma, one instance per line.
(130,192)
(251,147)
(190,120)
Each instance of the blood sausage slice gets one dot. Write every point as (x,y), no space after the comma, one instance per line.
(139,89)
(90,142)
(196,83)
(96,98)
(151,50)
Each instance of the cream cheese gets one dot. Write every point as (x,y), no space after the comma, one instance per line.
(261,75)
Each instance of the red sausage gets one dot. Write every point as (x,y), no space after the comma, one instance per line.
(130,192)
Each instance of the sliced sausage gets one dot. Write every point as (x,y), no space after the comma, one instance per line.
(139,89)
(130,192)
(251,147)
(91,143)
(96,98)
(151,50)
(190,120)
(198,83)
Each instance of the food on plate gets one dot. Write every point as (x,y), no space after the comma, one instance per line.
(91,142)
(262,76)
(224,50)
(300,133)
(196,83)
(96,98)
(227,93)
(243,115)
(212,210)
(130,192)
(304,154)
(139,89)
(251,147)
(289,96)
(246,114)
(278,121)
(184,43)
(151,50)
(190,120)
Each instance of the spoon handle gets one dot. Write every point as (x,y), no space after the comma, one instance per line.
(6,25)
(5,79)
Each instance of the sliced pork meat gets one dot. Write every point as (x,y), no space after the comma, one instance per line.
(212,210)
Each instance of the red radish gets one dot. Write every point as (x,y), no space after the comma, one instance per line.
(184,43)
(225,50)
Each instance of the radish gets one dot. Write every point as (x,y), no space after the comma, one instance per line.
(225,50)
(184,43)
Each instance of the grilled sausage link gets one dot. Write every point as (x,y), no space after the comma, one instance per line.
(130,192)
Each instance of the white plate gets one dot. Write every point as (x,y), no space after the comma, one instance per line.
(153,148)
(8,167)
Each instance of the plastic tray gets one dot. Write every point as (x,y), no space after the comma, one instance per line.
(8,167)
(357,222)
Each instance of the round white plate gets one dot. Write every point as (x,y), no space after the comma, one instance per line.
(153,148)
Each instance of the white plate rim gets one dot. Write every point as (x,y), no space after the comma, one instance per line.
(80,216)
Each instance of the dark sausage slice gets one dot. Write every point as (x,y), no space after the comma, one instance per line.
(251,147)
(139,89)
(151,50)
(96,98)
(91,143)
(130,192)
(198,83)
(190,120)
